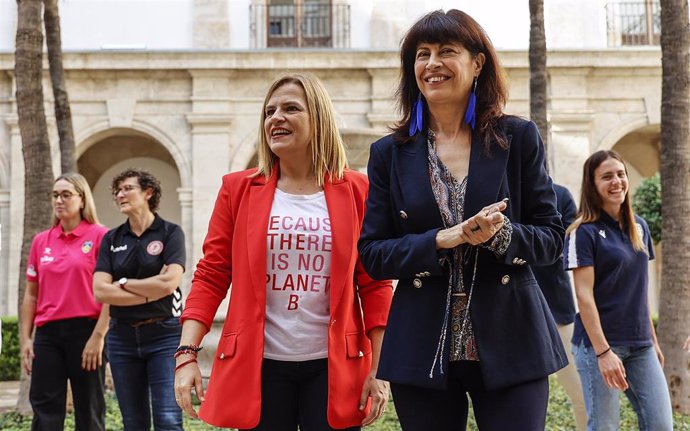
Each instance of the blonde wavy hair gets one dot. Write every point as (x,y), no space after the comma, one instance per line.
(327,148)
(80,184)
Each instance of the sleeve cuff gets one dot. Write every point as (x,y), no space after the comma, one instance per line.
(500,242)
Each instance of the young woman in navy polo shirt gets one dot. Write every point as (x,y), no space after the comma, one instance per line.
(614,342)
(138,273)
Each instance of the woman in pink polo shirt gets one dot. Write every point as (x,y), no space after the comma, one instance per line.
(70,324)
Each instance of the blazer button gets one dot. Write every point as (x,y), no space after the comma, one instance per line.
(515,261)
(403,215)
(360,354)
(222,356)
(505,279)
(417,283)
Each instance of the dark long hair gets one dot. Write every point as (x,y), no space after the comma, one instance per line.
(590,201)
(492,92)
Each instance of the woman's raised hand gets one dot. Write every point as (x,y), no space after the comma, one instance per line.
(482,226)
(475,230)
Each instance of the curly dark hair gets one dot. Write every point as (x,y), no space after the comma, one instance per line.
(146,181)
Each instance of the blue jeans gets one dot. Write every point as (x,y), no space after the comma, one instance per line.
(141,360)
(647,390)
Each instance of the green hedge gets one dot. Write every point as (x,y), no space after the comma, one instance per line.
(647,204)
(9,358)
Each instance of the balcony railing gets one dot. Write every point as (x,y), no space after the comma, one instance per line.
(633,23)
(301,25)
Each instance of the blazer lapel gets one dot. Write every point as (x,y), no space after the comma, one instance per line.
(260,201)
(343,230)
(485,176)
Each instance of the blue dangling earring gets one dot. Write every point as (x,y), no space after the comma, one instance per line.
(470,116)
(416,116)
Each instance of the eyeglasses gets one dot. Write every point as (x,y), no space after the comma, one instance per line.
(126,189)
(66,195)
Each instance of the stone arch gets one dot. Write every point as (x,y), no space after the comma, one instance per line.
(640,148)
(244,156)
(96,132)
(105,153)
(615,135)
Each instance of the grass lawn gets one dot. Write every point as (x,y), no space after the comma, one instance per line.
(559,417)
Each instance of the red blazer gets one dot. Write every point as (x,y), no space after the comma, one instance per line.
(235,252)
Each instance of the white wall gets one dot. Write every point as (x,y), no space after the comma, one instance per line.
(168,24)
(8,27)
(119,24)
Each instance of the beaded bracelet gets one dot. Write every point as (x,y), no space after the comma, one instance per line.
(193,347)
(604,352)
(184,363)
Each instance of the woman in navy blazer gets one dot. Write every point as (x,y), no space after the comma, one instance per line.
(467,315)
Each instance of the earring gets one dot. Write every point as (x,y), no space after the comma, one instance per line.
(470,116)
(416,116)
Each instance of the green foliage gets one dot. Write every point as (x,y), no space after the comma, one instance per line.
(647,204)
(558,418)
(9,359)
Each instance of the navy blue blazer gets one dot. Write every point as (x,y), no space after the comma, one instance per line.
(553,279)
(516,336)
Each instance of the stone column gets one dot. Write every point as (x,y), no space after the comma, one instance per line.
(8,302)
(569,147)
(383,85)
(16,215)
(210,124)
(184,196)
(571,119)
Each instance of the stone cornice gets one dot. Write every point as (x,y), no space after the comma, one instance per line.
(253,60)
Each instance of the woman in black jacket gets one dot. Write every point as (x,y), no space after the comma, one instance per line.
(459,208)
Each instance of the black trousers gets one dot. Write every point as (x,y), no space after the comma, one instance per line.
(58,347)
(294,394)
(517,408)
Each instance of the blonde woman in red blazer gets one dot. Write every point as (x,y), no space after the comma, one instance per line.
(301,159)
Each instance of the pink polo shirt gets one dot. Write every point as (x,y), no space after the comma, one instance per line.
(63,267)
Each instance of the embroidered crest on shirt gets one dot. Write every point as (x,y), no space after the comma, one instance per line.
(31,271)
(86,246)
(45,258)
(154,248)
(602,233)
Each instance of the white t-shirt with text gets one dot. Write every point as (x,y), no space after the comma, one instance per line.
(298,272)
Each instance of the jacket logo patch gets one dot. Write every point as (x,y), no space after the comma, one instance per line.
(118,248)
(86,246)
(154,248)
(31,271)
(602,233)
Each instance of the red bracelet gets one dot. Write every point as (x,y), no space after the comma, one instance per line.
(184,363)
(185,352)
